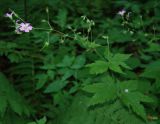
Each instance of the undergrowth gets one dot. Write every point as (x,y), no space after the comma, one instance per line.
(74,62)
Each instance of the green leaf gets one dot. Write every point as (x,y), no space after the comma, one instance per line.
(133,100)
(115,67)
(120,57)
(144,98)
(79,62)
(11,97)
(118,35)
(51,74)
(42,120)
(68,73)
(152,70)
(55,86)
(139,110)
(87,44)
(144,86)
(109,113)
(117,61)
(98,67)
(14,57)
(62,17)
(42,79)
(3,104)
(66,62)
(16,107)
(131,85)
(133,62)
(153,47)
(103,92)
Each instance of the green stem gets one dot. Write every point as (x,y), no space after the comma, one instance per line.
(108,46)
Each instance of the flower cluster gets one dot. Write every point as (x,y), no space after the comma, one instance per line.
(19,27)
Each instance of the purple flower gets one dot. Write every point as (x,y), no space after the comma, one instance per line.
(9,15)
(25,27)
(122,12)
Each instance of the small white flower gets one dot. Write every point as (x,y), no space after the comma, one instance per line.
(126,90)
(122,12)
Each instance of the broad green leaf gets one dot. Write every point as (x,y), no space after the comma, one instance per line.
(139,110)
(109,113)
(62,17)
(144,86)
(42,79)
(133,62)
(42,120)
(48,66)
(120,57)
(14,57)
(156,86)
(115,67)
(144,98)
(16,107)
(68,73)
(66,62)
(79,62)
(117,61)
(152,70)
(51,74)
(133,100)
(11,97)
(153,47)
(98,67)
(3,104)
(131,85)
(87,44)
(103,92)
(118,35)
(55,86)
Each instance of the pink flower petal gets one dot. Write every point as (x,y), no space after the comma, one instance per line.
(26,30)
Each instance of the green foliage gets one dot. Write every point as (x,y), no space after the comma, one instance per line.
(113,113)
(114,63)
(133,100)
(11,98)
(98,67)
(83,62)
(128,93)
(40,121)
(152,70)
(102,92)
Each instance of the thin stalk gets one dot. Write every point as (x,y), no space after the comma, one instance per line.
(108,46)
